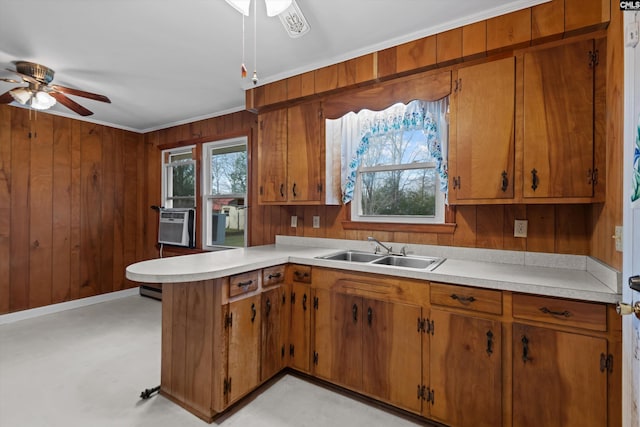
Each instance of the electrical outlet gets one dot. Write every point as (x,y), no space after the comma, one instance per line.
(294,221)
(618,238)
(631,34)
(520,228)
(316,221)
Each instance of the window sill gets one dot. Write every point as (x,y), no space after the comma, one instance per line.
(446,228)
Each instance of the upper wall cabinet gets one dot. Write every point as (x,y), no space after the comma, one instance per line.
(554,153)
(481,132)
(291,155)
(558,121)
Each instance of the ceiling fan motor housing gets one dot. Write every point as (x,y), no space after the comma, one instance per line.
(39,72)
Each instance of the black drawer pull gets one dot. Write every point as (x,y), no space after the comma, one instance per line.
(253,313)
(463,299)
(243,284)
(565,313)
(274,276)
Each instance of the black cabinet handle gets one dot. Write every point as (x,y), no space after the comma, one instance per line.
(534,179)
(565,313)
(253,313)
(304,302)
(293,190)
(354,311)
(281,190)
(525,349)
(243,284)
(268,304)
(369,315)
(489,343)
(462,299)
(505,181)
(274,276)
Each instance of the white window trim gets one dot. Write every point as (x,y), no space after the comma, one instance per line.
(206,189)
(165,167)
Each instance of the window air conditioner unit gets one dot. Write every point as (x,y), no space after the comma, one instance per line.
(177,227)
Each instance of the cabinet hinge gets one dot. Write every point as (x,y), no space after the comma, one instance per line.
(284,298)
(315,302)
(228,320)
(315,358)
(458,85)
(293,298)
(594,58)
(456,182)
(226,387)
(425,393)
(282,352)
(606,363)
(425,326)
(292,350)
(592,176)
(261,190)
(319,188)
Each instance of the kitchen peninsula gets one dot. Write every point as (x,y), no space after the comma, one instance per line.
(492,325)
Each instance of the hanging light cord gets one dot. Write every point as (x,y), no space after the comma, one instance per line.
(255,42)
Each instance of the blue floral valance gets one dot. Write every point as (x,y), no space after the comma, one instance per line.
(357,130)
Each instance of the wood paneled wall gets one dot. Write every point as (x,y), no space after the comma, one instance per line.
(70,193)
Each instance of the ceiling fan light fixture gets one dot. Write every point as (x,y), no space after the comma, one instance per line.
(21,95)
(276,7)
(241,6)
(294,21)
(42,101)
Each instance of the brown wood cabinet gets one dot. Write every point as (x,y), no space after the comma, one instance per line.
(481,138)
(558,120)
(558,379)
(299,278)
(465,365)
(244,335)
(275,331)
(291,155)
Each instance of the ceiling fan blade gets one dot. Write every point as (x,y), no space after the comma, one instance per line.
(10,80)
(6,97)
(82,93)
(70,104)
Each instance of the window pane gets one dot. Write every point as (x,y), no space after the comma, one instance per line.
(227,222)
(183,180)
(399,192)
(229,170)
(395,148)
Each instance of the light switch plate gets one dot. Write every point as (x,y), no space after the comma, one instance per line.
(631,34)
(316,221)
(294,221)
(520,228)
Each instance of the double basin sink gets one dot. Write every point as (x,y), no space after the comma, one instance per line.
(415,262)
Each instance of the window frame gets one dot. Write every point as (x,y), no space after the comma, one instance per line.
(167,165)
(207,196)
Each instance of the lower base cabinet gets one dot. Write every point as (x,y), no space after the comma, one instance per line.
(465,366)
(559,378)
(458,355)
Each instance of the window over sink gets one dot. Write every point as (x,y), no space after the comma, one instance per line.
(393,162)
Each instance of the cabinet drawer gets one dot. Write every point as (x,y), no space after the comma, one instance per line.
(579,314)
(474,299)
(301,273)
(242,283)
(272,276)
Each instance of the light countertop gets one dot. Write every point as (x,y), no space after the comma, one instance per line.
(567,276)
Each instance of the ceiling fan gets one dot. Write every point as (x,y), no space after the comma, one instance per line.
(40,94)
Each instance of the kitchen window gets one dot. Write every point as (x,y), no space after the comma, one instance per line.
(224,166)
(179,178)
(394,162)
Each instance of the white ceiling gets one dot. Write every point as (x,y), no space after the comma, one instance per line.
(166,62)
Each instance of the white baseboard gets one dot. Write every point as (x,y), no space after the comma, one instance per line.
(67,305)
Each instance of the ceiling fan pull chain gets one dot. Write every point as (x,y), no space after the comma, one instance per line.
(254,79)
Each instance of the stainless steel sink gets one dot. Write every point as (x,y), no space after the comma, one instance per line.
(409,262)
(353,256)
(416,262)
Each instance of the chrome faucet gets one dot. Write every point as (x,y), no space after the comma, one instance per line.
(403,251)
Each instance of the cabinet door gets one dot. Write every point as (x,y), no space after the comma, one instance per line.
(482,132)
(272,351)
(346,325)
(322,334)
(465,369)
(300,327)
(558,121)
(305,157)
(272,156)
(392,353)
(243,368)
(557,379)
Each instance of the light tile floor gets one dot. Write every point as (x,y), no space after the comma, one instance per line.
(86,367)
